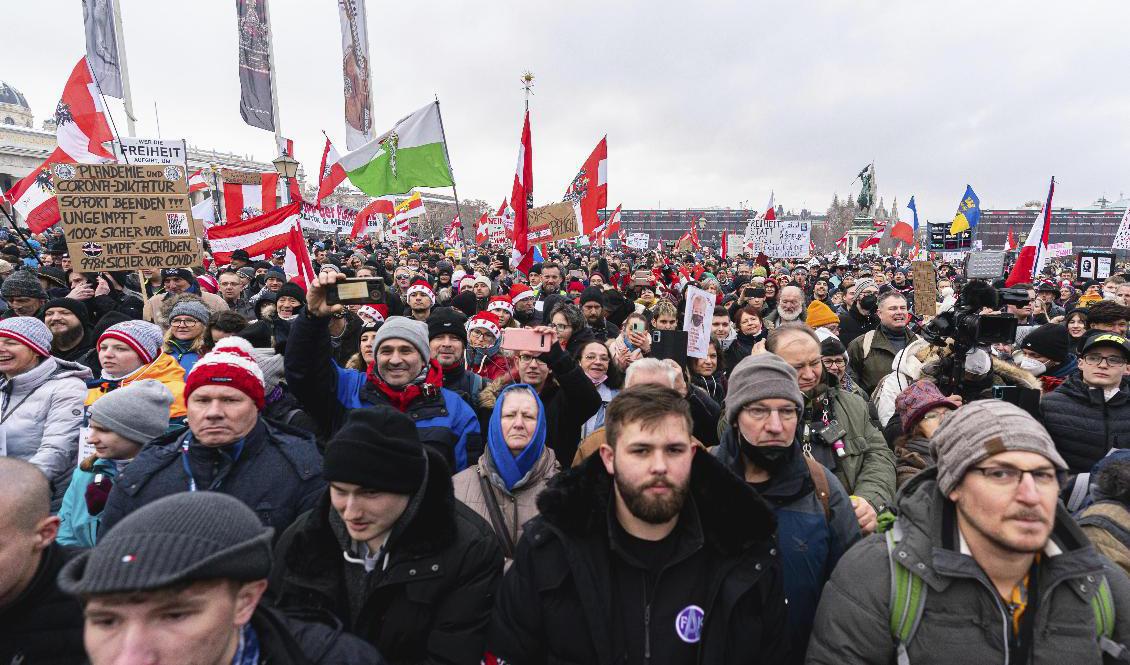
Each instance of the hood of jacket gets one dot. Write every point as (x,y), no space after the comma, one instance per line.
(50,369)
(910,358)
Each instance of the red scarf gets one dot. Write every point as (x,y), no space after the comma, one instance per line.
(1050,383)
(402,397)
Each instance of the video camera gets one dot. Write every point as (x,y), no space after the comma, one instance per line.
(969,329)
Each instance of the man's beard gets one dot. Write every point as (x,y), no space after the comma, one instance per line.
(68,338)
(653,510)
(786,316)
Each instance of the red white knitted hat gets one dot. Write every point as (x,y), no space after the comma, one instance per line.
(501,302)
(520,292)
(377,313)
(487,321)
(420,286)
(230,363)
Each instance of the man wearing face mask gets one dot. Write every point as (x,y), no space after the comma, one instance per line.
(861,317)
(1045,353)
(815,520)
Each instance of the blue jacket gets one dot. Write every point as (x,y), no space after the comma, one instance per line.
(810,544)
(277,473)
(186,358)
(327,392)
(77,527)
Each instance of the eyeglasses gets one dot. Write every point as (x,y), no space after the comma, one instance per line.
(757,412)
(1097,359)
(184,323)
(1008,476)
(526,360)
(835,362)
(560,327)
(592,356)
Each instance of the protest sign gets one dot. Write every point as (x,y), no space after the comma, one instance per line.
(696,321)
(496,233)
(118,217)
(779,239)
(151,152)
(1095,265)
(925,288)
(333,219)
(552,223)
(639,241)
(1060,249)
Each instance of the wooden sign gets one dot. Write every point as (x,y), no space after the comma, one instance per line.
(241,177)
(118,217)
(552,222)
(925,288)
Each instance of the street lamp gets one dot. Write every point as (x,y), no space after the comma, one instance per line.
(287,167)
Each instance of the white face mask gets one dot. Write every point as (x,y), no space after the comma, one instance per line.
(1035,367)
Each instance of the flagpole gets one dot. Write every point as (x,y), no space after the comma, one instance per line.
(20,233)
(127,97)
(451,170)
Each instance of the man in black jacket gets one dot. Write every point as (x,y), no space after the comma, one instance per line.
(592,306)
(180,580)
(861,317)
(38,623)
(447,337)
(388,550)
(651,551)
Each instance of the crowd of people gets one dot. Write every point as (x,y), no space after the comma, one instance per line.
(477,464)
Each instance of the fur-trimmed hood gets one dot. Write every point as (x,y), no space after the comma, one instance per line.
(732,514)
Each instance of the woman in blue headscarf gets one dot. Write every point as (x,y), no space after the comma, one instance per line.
(514,468)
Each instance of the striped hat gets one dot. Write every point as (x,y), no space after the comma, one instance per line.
(377,313)
(420,286)
(141,336)
(230,363)
(29,331)
(520,292)
(501,302)
(486,321)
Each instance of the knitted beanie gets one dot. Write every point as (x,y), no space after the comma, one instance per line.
(575,285)
(521,292)
(143,337)
(832,346)
(190,307)
(271,363)
(758,377)
(1049,340)
(447,321)
(293,290)
(29,331)
(917,400)
(23,284)
(76,307)
(376,313)
(503,303)
(183,537)
(420,286)
(482,279)
(820,314)
(379,449)
(982,429)
(487,321)
(138,412)
(180,273)
(230,363)
(864,283)
(410,330)
(592,294)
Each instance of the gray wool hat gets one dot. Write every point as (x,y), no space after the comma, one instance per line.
(23,284)
(272,365)
(139,411)
(984,428)
(863,284)
(410,330)
(761,376)
(191,307)
(183,537)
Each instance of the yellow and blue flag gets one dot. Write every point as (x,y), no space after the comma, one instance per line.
(968,212)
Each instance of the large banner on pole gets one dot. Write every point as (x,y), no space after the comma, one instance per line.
(355,68)
(102,46)
(255,64)
(778,238)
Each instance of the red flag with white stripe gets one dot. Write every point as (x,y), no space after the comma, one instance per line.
(243,201)
(297,264)
(331,174)
(1034,253)
(451,233)
(197,182)
(521,200)
(33,197)
(842,241)
(612,225)
(589,189)
(875,237)
(259,236)
(482,234)
(381,206)
(81,126)
(770,213)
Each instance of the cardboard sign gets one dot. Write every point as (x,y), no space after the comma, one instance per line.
(1060,249)
(118,217)
(241,177)
(696,321)
(779,239)
(925,288)
(639,241)
(552,223)
(151,152)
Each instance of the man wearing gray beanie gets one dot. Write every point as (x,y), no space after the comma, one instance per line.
(981,536)
(815,519)
(403,376)
(182,577)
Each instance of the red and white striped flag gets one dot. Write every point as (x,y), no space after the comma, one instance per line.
(589,189)
(382,206)
(246,200)
(259,236)
(81,126)
(330,174)
(842,241)
(875,237)
(297,264)
(521,199)
(197,182)
(451,233)
(482,233)
(612,224)
(33,197)
(1034,253)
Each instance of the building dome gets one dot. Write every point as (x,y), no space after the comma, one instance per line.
(14,109)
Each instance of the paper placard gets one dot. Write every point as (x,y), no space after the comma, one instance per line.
(118,217)
(925,288)
(1060,249)
(696,321)
(779,239)
(639,241)
(151,152)
(552,223)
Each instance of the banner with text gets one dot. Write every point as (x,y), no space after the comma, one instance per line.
(552,222)
(780,238)
(151,152)
(639,241)
(333,219)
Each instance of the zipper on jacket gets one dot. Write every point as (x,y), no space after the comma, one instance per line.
(646,631)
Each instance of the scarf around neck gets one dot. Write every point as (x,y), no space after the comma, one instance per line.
(428,383)
(513,469)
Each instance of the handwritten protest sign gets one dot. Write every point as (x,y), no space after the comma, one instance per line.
(118,217)
(925,288)
(552,222)
(639,241)
(696,321)
(1060,249)
(779,239)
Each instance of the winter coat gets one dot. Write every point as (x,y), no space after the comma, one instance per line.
(557,605)
(327,393)
(154,309)
(912,455)
(705,415)
(741,347)
(868,468)
(43,625)
(1085,425)
(569,397)
(1107,524)
(714,385)
(77,527)
(964,619)
(517,505)
(278,474)
(164,368)
(597,421)
(870,367)
(429,602)
(811,544)
(491,367)
(183,353)
(604,330)
(853,324)
(40,416)
(906,368)
(287,640)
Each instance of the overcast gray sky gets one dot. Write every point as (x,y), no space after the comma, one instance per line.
(707,103)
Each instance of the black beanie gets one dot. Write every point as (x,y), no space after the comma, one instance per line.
(377,448)
(293,290)
(832,347)
(1049,340)
(592,294)
(465,302)
(75,306)
(447,320)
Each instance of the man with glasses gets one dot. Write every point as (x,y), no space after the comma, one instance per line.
(815,520)
(985,565)
(871,354)
(1090,412)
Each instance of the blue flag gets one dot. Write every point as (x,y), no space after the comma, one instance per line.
(914,209)
(968,212)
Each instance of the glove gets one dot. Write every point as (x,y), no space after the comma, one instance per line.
(97,492)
